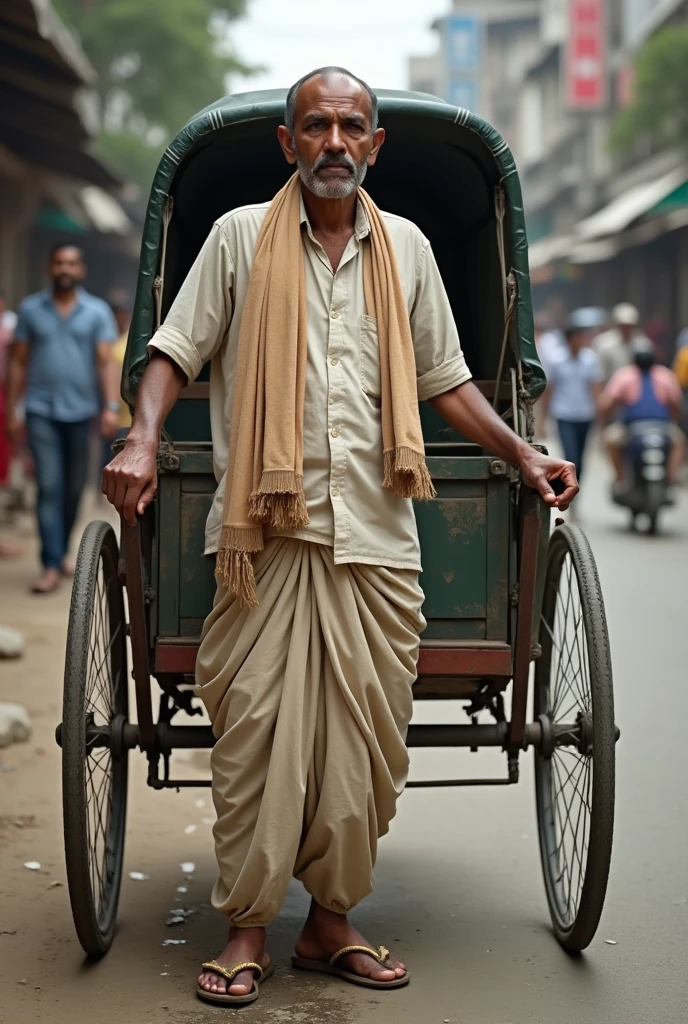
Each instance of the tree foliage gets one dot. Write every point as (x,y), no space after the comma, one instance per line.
(659,111)
(158,61)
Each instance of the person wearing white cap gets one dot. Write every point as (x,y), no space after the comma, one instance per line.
(615,346)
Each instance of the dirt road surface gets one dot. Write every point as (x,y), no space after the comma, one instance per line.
(459,894)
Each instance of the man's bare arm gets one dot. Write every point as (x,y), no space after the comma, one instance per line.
(131,479)
(465,409)
(16,383)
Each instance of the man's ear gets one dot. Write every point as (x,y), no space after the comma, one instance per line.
(378,140)
(286,141)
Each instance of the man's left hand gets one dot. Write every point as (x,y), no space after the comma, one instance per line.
(109,423)
(539,470)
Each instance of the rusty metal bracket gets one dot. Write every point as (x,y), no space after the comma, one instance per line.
(168,460)
(131,536)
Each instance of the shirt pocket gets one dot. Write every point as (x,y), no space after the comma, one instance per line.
(370,357)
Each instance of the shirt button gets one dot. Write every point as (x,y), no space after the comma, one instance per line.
(334,361)
(335,431)
(334,313)
(335,492)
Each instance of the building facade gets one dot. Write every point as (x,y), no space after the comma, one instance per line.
(484,50)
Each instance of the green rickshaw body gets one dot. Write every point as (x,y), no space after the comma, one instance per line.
(451,174)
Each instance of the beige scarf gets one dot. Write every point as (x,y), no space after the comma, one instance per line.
(264,482)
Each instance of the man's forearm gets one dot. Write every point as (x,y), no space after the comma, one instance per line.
(466,410)
(16,379)
(159,389)
(108,376)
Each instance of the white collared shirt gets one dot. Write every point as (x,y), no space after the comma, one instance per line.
(342,445)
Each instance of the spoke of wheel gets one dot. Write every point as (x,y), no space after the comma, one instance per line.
(98,646)
(99,670)
(574,834)
(571,645)
(101,795)
(568,819)
(99,678)
(586,830)
(570,682)
(585,690)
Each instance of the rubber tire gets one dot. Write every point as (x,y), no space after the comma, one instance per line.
(578,934)
(96,936)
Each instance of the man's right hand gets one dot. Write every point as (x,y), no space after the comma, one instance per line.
(131,479)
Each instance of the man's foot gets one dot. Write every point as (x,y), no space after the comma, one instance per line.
(326,932)
(47,582)
(245,944)
(67,569)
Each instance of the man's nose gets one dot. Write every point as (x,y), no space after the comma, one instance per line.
(335,142)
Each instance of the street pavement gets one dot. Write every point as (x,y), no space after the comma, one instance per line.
(459,890)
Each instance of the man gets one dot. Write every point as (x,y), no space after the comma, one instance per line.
(61,357)
(643,391)
(573,374)
(333,320)
(615,346)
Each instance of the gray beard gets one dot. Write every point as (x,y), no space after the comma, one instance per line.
(334,188)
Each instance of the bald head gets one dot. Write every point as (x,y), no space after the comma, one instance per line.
(329,73)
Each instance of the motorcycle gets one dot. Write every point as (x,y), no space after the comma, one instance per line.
(645,490)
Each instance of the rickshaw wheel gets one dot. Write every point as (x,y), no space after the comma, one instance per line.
(94,771)
(574,773)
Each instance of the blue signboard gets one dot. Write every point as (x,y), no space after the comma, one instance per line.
(463,92)
(462,43)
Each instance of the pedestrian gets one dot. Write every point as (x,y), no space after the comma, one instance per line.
(332,319)
(61,358)
(615,346)
(574,375)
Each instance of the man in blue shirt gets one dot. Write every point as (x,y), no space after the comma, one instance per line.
(61,358)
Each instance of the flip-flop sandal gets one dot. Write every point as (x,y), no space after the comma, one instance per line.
(330,967)
(230,973)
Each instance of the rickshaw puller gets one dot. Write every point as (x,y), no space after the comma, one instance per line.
(325,322)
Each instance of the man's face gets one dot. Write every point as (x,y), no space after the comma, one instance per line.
(627,331)
(333,144)
(66,268)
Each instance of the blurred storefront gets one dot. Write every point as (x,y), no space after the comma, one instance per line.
(51,185)
(602,228)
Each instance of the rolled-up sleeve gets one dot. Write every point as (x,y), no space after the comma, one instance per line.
(200,316)
(440,363)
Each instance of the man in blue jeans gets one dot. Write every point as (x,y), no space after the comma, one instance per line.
(61,358)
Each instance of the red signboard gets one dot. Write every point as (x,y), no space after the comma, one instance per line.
(586,55)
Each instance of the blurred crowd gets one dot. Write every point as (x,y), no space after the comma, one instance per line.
(605,369)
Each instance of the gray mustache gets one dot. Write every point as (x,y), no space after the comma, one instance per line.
(341,159)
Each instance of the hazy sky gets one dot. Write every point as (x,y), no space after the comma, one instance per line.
(374,38)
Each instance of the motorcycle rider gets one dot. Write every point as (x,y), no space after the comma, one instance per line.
(645,390)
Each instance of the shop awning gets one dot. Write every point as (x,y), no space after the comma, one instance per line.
(548,249)
(628,207)
(43,77)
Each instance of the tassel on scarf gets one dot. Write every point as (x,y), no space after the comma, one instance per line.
(406,473)
(279,501)
(234,567)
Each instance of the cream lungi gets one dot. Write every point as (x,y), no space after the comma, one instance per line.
(310,699)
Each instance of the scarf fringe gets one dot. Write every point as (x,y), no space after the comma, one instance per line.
(406,473)
(279,500)
(234,567)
